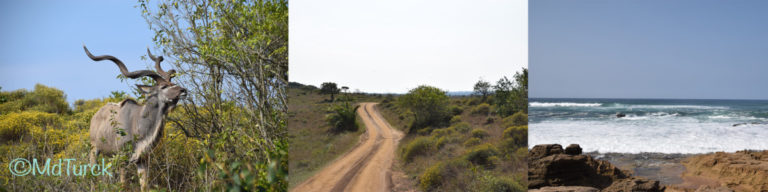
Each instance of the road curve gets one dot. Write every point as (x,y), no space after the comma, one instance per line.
(367,166)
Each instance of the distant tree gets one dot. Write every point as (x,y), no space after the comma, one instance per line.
(428,105)
(483,88)
(344,89)
(511,97)
(329,88)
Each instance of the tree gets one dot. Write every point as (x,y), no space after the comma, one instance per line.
(232,56)
(329,88)
(483,88)
(428,105)
(511,97)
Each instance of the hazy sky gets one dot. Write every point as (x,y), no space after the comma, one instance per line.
(393,46)
(649,49)
(42,42)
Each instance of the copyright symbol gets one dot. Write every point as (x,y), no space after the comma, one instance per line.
(20,167)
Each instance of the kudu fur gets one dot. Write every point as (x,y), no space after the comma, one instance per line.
(117,124)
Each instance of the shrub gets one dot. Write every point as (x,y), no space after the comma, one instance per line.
(500,184)
(462,127)
(516,119)
(455,110)
(472,142)
(432,178)
(428,104)
(15,125)
(443,132)
(455,119)
(343,117)
(480,133)
(481,155)
(518,134)
(419,146)
(445,140)
(482,109)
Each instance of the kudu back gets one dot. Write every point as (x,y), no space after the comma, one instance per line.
(118,124)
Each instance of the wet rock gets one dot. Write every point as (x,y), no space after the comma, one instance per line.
(566,189)
(620,115)
(634,184)
(573,149)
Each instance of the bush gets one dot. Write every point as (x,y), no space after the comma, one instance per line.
(479,133)
(500,184)
(432,178)
(343,117)
(519,134)
(462,127)
(516,119)
(481,155)
(472,142)
(455,119)
(482,109)
(419,146)
(443,132)
(14,126)
(428,104)
(455,110)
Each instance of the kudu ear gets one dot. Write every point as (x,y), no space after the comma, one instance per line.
(145,89)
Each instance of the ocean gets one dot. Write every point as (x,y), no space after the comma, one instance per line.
(650,125)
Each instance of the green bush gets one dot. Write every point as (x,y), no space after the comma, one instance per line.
(462,127)
(428,104)
(432,178)
(480,133)
(455,110)
(518,134)
(500,184)
(472,142)
(482,109)
(481,155)
(455,119)
(419,146)
(343,117)
(516,119)
(443,132)
(445,140)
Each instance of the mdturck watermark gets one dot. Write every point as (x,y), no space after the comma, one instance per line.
(23,167)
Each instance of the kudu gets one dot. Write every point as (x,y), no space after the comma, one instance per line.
(117,124)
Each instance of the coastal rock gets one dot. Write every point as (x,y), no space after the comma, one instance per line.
(573,149)
(540,151)
(713,189)
(566,189)
(741,171)
(620,115)
(634,184)
(558,169)
(550,166)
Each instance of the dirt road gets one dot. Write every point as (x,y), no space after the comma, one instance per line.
(367,166)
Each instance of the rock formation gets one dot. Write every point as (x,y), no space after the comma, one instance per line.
(551,166)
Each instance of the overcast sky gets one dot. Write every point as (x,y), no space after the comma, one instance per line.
(42,42)
(393,46)
(702,49)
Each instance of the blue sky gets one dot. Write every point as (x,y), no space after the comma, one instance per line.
(701,49)
(396,45)
(42,42)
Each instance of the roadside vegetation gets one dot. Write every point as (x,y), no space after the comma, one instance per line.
(464,143)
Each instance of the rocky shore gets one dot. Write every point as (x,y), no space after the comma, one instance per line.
(552,168)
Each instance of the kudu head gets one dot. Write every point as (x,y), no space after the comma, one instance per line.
(166,92)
